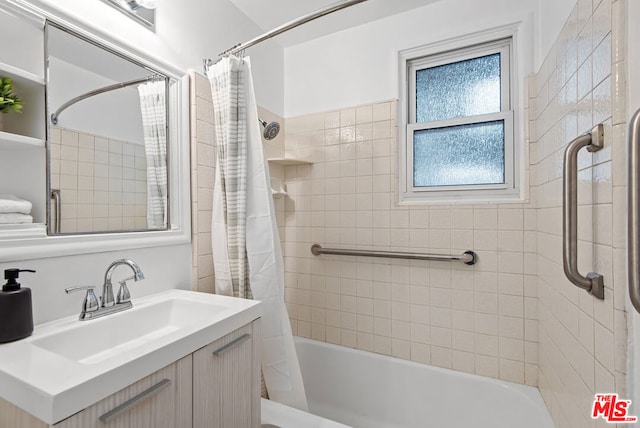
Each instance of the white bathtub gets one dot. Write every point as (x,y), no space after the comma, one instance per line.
(367,390)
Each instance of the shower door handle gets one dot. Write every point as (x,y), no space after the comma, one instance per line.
(593,282)
(633,222)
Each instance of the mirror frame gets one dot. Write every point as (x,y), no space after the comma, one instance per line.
(38,246)
(48,111)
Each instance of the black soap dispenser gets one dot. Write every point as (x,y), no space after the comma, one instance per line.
(16,315)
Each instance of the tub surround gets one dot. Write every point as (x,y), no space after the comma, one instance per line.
(513,316)
(203,163)
(479,319)
(582,82)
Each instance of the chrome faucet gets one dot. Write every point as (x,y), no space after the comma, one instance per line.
(92,309)
(107,287)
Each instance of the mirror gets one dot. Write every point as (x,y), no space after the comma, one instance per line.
(107,136)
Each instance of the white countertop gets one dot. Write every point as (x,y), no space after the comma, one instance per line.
(52,387)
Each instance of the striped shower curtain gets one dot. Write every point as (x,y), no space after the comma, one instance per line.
(247,257)
(154,124)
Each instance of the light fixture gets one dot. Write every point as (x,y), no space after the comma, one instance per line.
(142,11)
(137,4)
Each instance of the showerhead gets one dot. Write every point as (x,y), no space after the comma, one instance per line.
(270,130)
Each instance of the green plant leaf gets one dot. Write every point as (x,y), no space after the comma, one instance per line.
(9,101)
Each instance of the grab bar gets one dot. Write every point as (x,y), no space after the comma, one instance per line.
(55,195)
(468,257)
(594,282)
(633,222)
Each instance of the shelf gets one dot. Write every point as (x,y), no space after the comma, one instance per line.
(31,89)
(289,161)
(26,230)
(11,141)
(17,74)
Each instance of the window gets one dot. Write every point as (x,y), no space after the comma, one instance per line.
(459,138)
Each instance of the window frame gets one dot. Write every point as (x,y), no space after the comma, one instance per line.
(416,59)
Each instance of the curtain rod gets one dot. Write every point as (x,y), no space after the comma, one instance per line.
(54,116)
(207,62)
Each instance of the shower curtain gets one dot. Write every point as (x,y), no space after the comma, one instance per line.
(154,125)
(247,256)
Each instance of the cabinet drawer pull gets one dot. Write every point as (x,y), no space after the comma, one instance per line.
(231,344)
(129,404)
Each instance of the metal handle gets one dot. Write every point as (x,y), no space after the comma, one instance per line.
(129,404)
(593,282)
(55,195)
(69,290)
(633,222)
(468,257)
(90,302)
(231,344)
(123,295)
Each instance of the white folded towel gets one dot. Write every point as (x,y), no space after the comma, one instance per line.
(11,204)
(15,218)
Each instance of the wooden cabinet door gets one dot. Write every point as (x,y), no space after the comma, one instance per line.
(161,400)
(226,384)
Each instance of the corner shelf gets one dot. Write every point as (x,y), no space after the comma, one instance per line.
(12,141)
(289,161)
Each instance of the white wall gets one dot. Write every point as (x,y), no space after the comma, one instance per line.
(552,16)
(186,32)
(360,65)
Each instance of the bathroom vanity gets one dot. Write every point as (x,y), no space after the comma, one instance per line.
(177,359)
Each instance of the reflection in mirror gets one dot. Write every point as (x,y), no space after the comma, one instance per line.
(107,139)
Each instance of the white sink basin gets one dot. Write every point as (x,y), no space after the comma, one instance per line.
(93,341)
(68,364)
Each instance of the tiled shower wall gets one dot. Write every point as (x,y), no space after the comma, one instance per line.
(202,173)
(513,316)
(480,319)
(102,182)
(582,340)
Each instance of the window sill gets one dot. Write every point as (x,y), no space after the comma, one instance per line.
(463,200)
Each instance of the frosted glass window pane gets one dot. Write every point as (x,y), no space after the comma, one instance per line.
(463,88)
(459,155)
